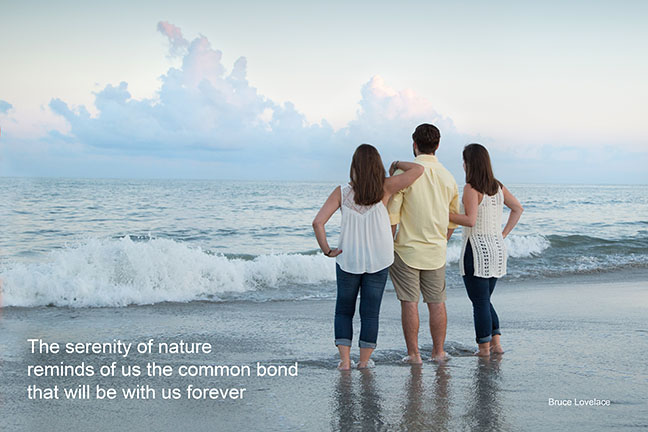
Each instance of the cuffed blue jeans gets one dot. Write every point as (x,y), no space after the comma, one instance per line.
(371,287)
(479,291)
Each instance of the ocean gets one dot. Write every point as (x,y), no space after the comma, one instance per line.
(108,242)
(236,264)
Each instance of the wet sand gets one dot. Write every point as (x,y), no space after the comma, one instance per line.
(579,338)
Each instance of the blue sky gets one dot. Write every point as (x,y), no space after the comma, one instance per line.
(260,90)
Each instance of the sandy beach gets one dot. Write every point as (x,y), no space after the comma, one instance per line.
(578,339)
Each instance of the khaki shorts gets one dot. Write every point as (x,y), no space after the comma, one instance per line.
(409,282)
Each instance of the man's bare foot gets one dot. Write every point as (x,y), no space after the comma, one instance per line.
(439,357)
(413,359)
(496,349)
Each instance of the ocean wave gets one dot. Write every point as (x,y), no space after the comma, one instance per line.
(115,272)
(517,246)
(121,272)
(139,270)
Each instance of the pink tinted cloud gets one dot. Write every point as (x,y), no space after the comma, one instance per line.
(177,43)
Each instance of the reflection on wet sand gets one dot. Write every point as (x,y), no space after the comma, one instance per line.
(426,402)
(485,411)
(357,407)
(426,410)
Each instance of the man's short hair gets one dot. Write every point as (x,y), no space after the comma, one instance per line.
(427,137)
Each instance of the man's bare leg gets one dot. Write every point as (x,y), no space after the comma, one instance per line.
(438,326)
(410,321)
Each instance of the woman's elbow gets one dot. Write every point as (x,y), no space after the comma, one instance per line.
(317,224)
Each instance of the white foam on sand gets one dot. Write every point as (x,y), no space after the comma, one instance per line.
(119,272)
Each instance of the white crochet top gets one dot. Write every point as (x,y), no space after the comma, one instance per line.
(365,236)
(489,250)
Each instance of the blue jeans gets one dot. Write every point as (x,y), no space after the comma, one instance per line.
(479,291)
(371,287)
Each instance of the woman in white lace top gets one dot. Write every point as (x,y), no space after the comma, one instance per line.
(483,254)
(366,248)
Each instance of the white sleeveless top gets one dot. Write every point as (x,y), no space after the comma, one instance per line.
(365,236)
(489,250)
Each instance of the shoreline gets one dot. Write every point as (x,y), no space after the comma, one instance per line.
(551,332)
(636,274)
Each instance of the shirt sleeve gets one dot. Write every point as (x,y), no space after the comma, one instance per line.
(394,205)
(454,206)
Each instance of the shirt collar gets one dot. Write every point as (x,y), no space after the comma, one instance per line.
(426,157)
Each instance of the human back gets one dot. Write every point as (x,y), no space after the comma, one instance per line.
(485,238)
(421,210)
(422,238)
(365,235)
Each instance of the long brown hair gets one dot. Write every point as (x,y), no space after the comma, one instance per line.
(367,175)
(479,173)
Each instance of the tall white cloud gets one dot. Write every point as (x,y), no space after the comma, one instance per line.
(200,107)
(207,120)
(204,110)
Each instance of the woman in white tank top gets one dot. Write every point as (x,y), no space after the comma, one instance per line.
(483,253)
(366,248)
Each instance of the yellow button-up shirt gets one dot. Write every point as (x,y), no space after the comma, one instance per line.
(422,212)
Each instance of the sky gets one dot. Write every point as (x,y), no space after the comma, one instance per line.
(286,90)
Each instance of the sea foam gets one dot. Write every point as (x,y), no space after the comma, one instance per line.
(119,272)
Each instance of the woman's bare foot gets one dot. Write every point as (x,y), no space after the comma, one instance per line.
(413,359)
(484,350)
(366,365)
(345,358)
(344,366)
(496,349)
(365,354)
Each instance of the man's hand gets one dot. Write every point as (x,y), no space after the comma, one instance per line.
(334,252)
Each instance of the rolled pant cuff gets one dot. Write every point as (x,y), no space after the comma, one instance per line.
(496,332)
(346,342)
(481,340)
(364,344)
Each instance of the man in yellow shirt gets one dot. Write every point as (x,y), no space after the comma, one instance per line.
(421,211)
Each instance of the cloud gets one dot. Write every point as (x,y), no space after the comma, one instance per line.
(5,107)
(205,110)
(198,106)
(387,117)
(177,43)
(206,120)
